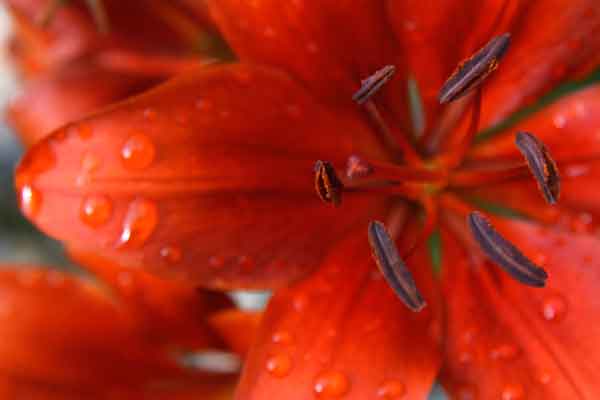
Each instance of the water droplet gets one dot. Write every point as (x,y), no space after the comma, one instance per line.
(559,121)
(300,301)
(513,392)
(95,210)
(150,114)
(469,334)
(216,261)
(140,222)
(279,365)
(544,377)
(504,352)
(465,357)
(282,337)
(89,162)
(138,152)
(172,254)
(312,48)
(553,308)
(577,170)
(391,390)
(30,201)
(331,385)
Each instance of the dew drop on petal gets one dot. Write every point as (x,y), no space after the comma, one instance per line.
(513,392)
(299,302)
(89,162)
(138,152)
(553,308)
(282,337)
(95,210)
(504,352)
(544,377)
(150,114)
(140,222)
(391,390)
(331,384)
(559,121)
(172,254)
(279,365)
(245,262)
(216,261)
(30,201)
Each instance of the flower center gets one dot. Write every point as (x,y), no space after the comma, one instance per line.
(431,182)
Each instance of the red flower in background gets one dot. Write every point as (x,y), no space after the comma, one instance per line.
(207,179)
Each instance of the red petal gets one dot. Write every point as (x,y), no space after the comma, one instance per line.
(68,94)
(68,332)
(328,45)
(506,340)
(209,177)
(237,328)
(570,128)
(551,41)
(343,333)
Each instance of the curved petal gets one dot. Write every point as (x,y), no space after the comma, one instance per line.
(505,340)
(551,41)
(570,128)
(68,94)
(343,333)
(208,177)
(69,332)
(437,35)
(328,45)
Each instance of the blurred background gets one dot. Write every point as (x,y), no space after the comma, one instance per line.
(20,242)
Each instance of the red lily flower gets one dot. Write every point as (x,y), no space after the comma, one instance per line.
(207,178)
(74,69)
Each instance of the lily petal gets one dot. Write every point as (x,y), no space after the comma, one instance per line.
(552,40)
(67,94)
(208,177)
(509,341)
(66,331)
(343,333)
(306,38)
(237,328)
(570,128)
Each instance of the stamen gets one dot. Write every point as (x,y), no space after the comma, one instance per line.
(327,184)
(541,165)
(478,177)
(431,221)
(472,72)
(393,268)
(373,83)
(369,87)
(505,254)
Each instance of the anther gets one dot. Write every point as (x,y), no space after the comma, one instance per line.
(472,72)
(373,83)
(327,184)
(505,254)
(541,165)
(393,268)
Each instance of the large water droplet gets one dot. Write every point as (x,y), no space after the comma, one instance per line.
(513,392)
(331,384)
(140,222)
(138,152)
(279,365)
(391,390)
(554,307)
(282,337)
(30,201)
(95,210)
(172,254)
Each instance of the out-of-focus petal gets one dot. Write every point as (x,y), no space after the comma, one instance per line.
(69,332)
(505,340)
(208,177)
(237,328)
(343,333)
(67,94)
(570,128)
